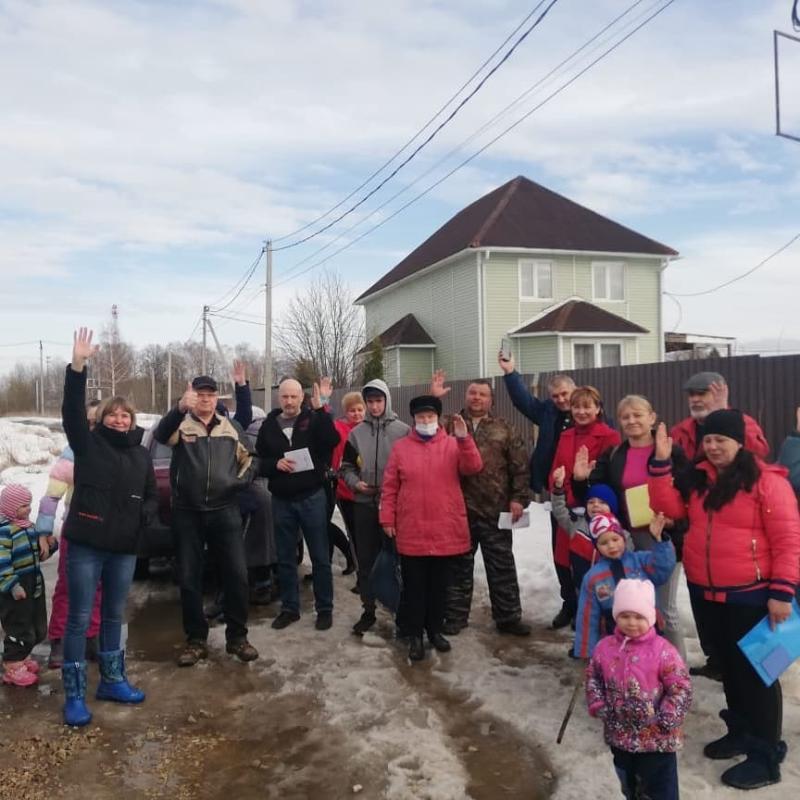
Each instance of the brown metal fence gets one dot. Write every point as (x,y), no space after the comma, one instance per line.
(767,388)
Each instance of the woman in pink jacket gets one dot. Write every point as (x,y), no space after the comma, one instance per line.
(422,507)
(740,555)
(637,683)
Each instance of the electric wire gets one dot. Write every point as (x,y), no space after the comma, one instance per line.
(247,279)
(795,16)
(416,135)
(427,140)
(247,272)
(486,146)
(488,124)
(743,275)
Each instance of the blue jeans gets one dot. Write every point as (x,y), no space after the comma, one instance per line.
(310,515)
(85,568)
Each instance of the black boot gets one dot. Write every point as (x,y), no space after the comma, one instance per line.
(563,618)
(760,768)
(733,743)
(365,622)
(439,643)
(416,648)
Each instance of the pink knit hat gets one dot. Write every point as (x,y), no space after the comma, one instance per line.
(632,594)
(11,498)
(603,523)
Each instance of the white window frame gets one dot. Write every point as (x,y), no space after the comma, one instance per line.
(606,297)
(536,263)
(596,343)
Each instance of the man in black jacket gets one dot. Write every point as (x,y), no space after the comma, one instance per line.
(295,446)
(209,468)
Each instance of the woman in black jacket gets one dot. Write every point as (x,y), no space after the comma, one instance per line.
(114,496)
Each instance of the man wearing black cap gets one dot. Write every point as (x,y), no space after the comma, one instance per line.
(707,392)
(209,468)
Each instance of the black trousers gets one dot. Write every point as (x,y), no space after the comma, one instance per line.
(758,707)
(706,643)
(24,621)
(221,530)
(425,580)
(369,538)
(567,588)
(501,575)
(647,776)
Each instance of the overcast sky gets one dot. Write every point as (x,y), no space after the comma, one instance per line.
(148,148)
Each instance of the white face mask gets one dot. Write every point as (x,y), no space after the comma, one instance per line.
(427,428)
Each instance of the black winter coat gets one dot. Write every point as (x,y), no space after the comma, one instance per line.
(115,486)
(312,429)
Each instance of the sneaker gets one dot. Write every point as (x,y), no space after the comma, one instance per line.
(452,628)
(562,619)
(284,619)
(366,621)
(15,674)
(242,649)
(31,665)
(56,658)
(515,628)
(324,620)
(193,652)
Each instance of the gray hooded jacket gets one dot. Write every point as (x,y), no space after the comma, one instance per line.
(368,447)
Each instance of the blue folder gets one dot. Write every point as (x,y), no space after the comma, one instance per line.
(772,652)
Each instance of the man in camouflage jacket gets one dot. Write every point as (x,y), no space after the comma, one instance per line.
(502,485)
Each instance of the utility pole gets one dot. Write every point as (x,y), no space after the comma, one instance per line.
(205,326)
(169,379)
(41,378)
(268,330)
(152,388)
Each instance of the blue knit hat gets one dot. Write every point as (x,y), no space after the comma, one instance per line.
(605,493)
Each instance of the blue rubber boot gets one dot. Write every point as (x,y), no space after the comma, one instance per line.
(114,684)
(73,674)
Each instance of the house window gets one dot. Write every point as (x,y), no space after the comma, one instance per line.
(535,280)
(608,281)
(586,355)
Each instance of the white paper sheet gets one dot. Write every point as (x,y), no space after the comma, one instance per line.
(504,521)
(302,459)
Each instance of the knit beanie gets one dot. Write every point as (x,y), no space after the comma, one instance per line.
(11,498)
(725,422)
(635,595)
(603,523)
(605,493)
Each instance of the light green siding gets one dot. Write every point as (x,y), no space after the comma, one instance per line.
(536,353)
(391,373)
(415,365)
(445,301)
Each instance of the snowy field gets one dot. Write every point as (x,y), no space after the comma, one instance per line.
(401,727)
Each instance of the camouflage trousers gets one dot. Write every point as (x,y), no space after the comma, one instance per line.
(501,575)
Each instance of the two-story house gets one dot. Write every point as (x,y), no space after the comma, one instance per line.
(567,287)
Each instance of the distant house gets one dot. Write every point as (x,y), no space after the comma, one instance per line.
(568,287)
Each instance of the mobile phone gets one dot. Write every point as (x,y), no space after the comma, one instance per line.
(505,349)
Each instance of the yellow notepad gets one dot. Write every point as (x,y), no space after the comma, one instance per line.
(637,501)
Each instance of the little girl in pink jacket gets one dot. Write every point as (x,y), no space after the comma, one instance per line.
(637,683)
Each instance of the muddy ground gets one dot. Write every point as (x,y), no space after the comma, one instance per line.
(319,715)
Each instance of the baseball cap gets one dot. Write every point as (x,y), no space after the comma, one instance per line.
(204,382)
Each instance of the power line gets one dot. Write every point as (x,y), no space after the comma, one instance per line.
(795,16)
(486,146)
(416,135)
(680,310)
(478,132)
(427,140)
(236,319)
(244,277)
(744,274)
(246,280)
(199,320)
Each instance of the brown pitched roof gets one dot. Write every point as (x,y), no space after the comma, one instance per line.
(578,316)
(405,331)
(522,213)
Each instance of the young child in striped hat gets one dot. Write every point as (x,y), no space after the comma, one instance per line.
(23,612)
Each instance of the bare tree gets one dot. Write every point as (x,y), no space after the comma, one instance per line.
(323,327)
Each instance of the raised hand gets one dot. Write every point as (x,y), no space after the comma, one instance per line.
(506,362)
(719,395)
(239,373)
(438,389)
(459,426)
(316,401)
(82,348)
(559,474)
(325,389)
(657,525)
(663,448)
(583,467)
(188,399)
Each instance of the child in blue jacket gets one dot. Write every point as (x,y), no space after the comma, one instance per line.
(595,602)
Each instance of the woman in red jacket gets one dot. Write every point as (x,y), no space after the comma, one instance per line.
(591,436)
(741,555)
(422,507)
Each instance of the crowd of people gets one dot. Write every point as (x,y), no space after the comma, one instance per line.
(633,505)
